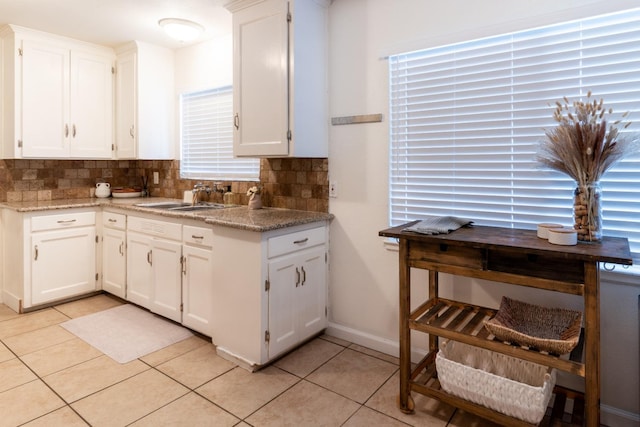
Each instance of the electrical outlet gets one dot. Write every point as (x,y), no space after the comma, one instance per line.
(156,178)
(333,189)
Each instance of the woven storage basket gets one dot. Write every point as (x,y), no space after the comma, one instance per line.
(512,386)
(555,330)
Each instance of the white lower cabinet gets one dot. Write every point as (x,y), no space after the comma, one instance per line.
(297,298)
(114,253)
(270,291)
(197,278)
(154,270)
(48,257)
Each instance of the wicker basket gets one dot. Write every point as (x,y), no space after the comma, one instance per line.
(512,386)
(555,330)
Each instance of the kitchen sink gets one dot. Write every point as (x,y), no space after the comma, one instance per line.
(181,206)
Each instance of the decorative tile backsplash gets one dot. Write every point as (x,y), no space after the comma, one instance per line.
(287,183)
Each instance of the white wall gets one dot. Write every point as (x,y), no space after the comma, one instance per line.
(364,275)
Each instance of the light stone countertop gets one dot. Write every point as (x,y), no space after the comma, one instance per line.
(241,217)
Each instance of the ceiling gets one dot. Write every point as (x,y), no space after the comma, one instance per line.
(114,22)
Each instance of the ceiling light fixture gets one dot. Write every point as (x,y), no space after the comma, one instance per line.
(181,29)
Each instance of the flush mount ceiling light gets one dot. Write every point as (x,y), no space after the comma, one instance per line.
(181,29)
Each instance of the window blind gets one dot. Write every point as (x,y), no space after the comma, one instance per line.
(207,138)
(466,121)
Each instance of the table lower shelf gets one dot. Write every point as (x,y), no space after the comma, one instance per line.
(424,381)
(464,322)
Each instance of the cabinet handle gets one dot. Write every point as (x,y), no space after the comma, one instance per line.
(297,242)
(66,221)
(193,236)
(113,220)
(35,258)
(304,276)
(183,261)
(297,277)
(73,130)
(121,248)
(236,121)
(131,131)
(150,258)
(66,131)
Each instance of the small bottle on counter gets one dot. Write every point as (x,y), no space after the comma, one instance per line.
(227,198)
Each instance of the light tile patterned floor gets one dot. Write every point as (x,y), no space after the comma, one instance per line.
(48,377)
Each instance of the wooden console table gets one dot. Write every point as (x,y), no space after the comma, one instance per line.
(510,256)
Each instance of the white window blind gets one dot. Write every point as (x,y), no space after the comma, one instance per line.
(207,138)
(466,121)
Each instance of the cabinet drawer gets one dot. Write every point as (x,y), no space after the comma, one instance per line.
(114,220)
(197,235)
(65,220)
(295,241)
(167,230)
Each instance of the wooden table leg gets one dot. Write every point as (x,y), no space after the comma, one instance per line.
(404,400)
(592,343)
(433,293)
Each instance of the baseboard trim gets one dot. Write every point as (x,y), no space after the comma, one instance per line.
(373,342)
(610,416)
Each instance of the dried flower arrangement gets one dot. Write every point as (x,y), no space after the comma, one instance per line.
(581,146)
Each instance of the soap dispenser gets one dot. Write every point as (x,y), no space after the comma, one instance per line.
(227,198)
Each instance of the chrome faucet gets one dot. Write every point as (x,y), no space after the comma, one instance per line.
(197,189)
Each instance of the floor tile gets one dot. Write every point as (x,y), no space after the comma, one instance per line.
(14,373)
(60,417)
(129,400)
(376,354)
(31,322)
(366,417)
(309,357)
(27,402)
(354,375)
(89,305)
(242,392)
(190,410)
(428,412)
(60,356)
(6,313)
(174,350)
(465,419)
(335,340)
(305,404)
(91,376)
(196,367)
(5,353)
(38,339)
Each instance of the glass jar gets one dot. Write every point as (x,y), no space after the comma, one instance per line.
(587,212)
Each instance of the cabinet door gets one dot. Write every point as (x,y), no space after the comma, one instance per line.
(139,269)
(261,81)
(63,264)
(126,106)
(166,295)
(91,117)
(45,100)
(284,279)
(312,293)
(114,262)
(197,289)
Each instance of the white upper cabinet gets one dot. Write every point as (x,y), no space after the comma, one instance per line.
(280,78)
(145,102)
(57,96)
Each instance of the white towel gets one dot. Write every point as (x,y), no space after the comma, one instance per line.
(439,225)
